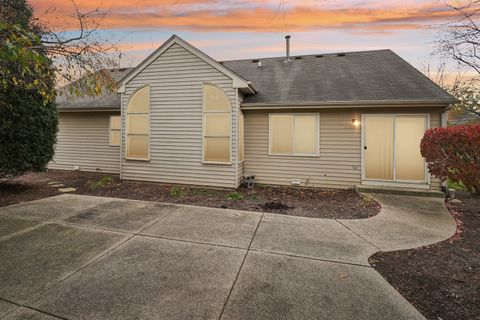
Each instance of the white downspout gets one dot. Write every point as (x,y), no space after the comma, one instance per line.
(236,138)
(444,122)
(121,134)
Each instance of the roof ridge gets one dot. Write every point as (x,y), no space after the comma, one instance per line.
(306,55)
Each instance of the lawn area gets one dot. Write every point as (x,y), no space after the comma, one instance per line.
(441,280)
(309,202)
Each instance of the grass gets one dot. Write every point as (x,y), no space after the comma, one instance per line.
(234,196)
(177,192)
(101,183)
(254,197)
(201,191)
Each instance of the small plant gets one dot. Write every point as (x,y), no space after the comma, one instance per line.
(254,197)
(456,185)
(367,202)
(234,196)
(102,182)
(177,192)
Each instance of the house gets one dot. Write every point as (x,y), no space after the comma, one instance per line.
(326,120)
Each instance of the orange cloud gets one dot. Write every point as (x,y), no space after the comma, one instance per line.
(88,5)
(162,14)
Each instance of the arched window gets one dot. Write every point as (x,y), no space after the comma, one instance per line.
(216,125)
(138,125)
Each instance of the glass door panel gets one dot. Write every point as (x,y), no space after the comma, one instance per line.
(378,147)
(409,163)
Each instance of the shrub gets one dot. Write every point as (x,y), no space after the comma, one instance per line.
(454,153)
(27,134)
(234,196)
(28,114)
(177,192)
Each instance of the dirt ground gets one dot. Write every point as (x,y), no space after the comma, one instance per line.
(441,280)
(316,203)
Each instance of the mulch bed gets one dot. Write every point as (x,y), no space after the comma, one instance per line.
(315,203)
(442,280)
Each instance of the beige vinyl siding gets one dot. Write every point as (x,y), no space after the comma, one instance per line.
(83,140)
(175,80)
(338,165)
(339,162)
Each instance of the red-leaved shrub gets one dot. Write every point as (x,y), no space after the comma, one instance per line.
(454,153)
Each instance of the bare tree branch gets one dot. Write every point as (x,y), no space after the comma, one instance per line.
(460,40)
(82,54)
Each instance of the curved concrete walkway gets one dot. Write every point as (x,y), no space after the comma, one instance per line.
(405,222)
(82,257)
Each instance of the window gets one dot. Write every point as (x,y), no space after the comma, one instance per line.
(241,137)
(114,130)
(138,125)
(216,125)
(294,134)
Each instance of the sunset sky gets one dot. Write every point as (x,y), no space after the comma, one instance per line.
(253,29)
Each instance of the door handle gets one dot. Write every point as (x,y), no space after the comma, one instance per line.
(364,147)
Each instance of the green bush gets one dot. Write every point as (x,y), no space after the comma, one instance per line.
(28,114)
(234,196)
(27,133)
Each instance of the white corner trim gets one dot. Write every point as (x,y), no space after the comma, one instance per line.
(444,118)
(238,82)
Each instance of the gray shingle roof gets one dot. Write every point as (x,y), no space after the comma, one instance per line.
(353,77)
(106,101)
(365,77)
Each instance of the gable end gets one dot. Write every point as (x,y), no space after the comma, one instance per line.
(238,82)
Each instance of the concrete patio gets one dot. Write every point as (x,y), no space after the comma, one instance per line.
(82,257)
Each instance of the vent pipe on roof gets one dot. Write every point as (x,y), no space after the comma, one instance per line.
(287,39)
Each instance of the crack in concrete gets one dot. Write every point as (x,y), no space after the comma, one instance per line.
(366,240)
(240,269)
(19,305)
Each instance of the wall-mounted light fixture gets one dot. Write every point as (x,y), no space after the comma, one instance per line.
(356,123)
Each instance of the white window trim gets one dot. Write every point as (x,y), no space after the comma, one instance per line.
(293,154)
(238,134)
(126,125)
(229,163)
(110,131)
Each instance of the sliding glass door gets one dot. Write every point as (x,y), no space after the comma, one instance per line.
(391,147)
